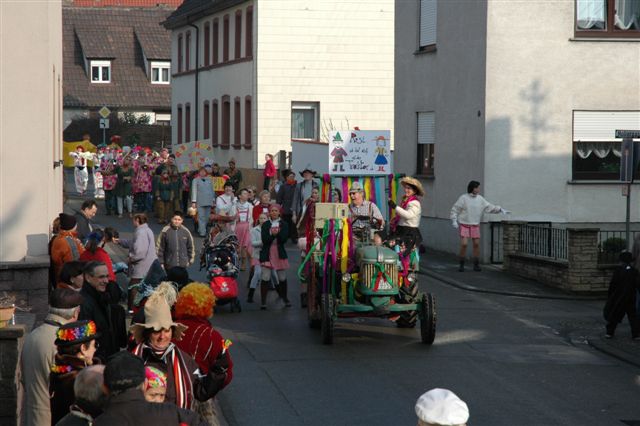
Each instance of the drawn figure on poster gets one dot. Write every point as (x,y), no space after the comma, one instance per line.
(381,150)
(338,153)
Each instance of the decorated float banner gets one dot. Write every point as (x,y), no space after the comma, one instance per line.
(193,155)
(68,147)
(360,152)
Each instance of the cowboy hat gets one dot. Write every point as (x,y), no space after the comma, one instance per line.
(356,187)
(157,314)
(308,169)
(414,183)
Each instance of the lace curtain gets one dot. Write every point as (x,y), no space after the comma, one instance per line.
(599,149)
(591,14)
(627,14)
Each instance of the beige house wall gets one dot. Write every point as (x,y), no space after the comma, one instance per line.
(30,126)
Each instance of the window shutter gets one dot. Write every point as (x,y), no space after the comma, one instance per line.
(600,126)
(426,128)
(428,14)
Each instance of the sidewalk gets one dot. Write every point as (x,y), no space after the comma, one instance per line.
(493,280)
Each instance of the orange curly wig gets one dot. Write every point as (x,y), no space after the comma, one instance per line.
(195,300)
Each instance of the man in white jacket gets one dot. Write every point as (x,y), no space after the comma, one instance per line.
(466,215)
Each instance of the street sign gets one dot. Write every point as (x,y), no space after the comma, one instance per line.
(104,112)
(628,134)
(104,123)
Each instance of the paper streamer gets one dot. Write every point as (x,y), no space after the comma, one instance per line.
(345,190)
(367,188)
(344,250)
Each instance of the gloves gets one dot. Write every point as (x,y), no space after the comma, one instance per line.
(454,223)
(503,211)
(391,203)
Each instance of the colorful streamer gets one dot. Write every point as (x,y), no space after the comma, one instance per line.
(326,188)
(367,188)
(344,249)
(345,190)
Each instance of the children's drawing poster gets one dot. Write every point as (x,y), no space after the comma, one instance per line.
(360,152)
(193,155)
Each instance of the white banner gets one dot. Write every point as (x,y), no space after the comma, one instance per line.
(360,152)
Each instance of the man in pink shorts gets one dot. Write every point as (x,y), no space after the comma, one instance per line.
(466,215)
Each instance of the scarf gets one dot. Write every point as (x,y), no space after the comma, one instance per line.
(396,219)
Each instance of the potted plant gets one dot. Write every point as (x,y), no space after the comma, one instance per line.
(7,309)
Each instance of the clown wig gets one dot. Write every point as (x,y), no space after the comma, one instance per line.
(195,300)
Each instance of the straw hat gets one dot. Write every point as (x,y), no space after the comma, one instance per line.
(157,315)
(414,183)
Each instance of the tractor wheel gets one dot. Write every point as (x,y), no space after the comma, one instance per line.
(326,311)
(313,305)
(428,318)
(408,294)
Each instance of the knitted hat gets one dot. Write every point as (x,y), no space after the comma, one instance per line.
(64,298)
(195,300)
(76,332)
(155,378)
(123,371)
(157,314)
(67,222)
(442,407)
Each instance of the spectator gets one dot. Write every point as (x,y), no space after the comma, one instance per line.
(124,380)
(253,195)
(303,192)
(38,355)
(202,197)
(155,387)
(235,175)
(269,171)
(76,342)
(441,407)
(72,276)
(99,305)
(142,253)
(65,247)
(118,254)
(621,298)
(94,251)
(256,270)
(262,207)
(90,398)
(87,212)
(215,170)
(175,245)
(285,199)
(154,346)
(273,255)
(194,309)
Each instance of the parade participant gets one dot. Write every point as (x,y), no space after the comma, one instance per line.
(175,245)
(116,141)
(124,381)
(262,206)
(256,246)
(100,305)
(142,254)
(303,192)
(308,214)
(155,388)
(441,407)
(93,251)
(336,195)
(176,181)
(274,256)
(164,192)
(76,343)
(194,309)
(65,247)
(466,215)
(235,175)
(405,225)
(55,230)
(185,382)
(143,180)
(269,171)
(98,181)
(621,297)
(285,199)
(226,208)
(124,188)
(71,276)
(89,397)
(87,212)
(362,211)
(244,217)
(38,355)
(108,165)
(80,171)
(202,197)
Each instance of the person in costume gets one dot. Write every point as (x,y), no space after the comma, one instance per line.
(273,256)
(262,206)
(303,192)
(405,226)
(155,389)
(235,175)
(363,212)
(80,170)
(108,164)
(244,217)
(226,208)
(143,180)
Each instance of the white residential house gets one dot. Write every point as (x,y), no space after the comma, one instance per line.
(251,76)
(523,97)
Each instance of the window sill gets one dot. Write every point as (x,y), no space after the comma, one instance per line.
(607,39)
(425,177)
(598,182)
(426,49)
(317,142)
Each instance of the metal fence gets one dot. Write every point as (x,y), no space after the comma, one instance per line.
(497,251)
(544,241)
(611,243)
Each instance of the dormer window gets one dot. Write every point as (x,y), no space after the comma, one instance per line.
(160,72)
(101,71)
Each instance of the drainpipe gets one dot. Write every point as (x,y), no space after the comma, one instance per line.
(197,108)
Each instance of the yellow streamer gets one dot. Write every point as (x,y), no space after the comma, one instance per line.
(367,188)
(394,196)
(344,250)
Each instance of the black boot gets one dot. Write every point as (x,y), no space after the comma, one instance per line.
(282,291)
(250,295)
(476,264)
(251,272)
(461,267)
(264,290)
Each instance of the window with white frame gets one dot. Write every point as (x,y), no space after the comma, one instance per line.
(160,72)
(428,21)
(426,143)
(304,120)
(101,71)
(596,150)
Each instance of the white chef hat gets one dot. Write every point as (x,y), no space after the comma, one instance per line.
(442,407)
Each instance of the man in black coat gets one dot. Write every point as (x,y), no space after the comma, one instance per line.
(621,299)
(87,212)
(285,197)
(124,378)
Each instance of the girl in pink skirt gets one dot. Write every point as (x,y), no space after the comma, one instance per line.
(273,255)
(244,217)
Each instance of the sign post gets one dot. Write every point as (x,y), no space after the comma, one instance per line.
(104,122)
(629,154)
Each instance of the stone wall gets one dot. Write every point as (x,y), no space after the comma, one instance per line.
(28,282)
(11,339)
(580,273)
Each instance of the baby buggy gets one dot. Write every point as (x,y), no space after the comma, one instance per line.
(220,259)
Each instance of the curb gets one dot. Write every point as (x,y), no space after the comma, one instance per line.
(463,286)
(597,344)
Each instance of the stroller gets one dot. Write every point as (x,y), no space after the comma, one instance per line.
(220,259)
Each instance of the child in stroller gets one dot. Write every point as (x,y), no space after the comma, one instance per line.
(220,259)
